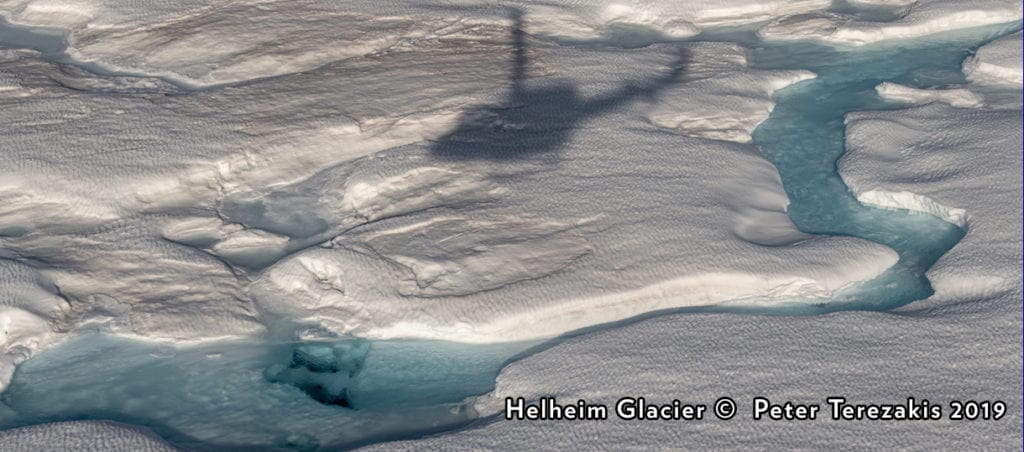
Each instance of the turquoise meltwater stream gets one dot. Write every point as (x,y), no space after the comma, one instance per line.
(269,395)
(805,136)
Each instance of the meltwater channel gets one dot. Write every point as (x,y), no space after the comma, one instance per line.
(284,395)
(804,137)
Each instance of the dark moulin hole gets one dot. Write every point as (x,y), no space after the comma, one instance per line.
(323,395)
(323,371)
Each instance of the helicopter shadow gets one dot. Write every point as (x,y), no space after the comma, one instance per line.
(533,121)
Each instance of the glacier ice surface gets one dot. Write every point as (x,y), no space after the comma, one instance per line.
(291,178)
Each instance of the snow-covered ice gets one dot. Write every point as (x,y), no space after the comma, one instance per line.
(233,192)
(997,62)
(159,40)
(209,172)
(909,19)
(956,97)
(83,435)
